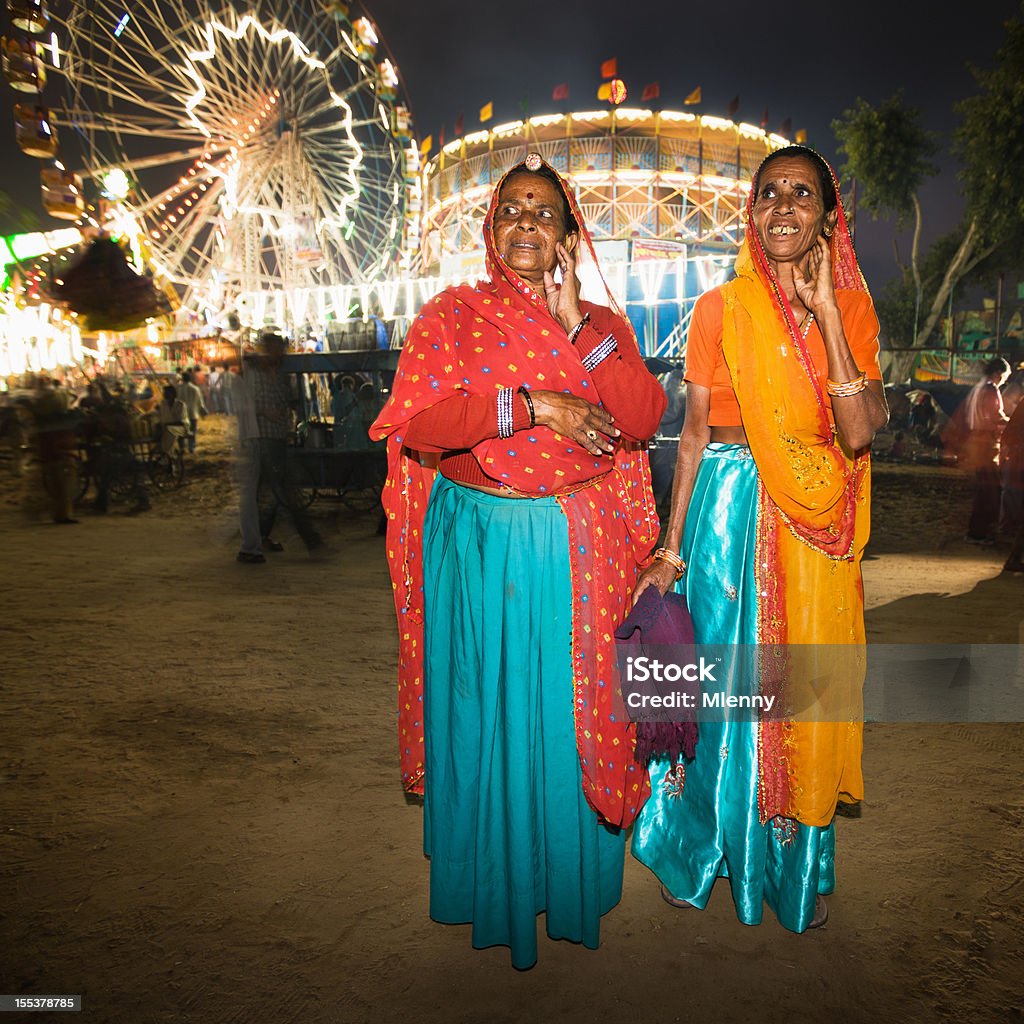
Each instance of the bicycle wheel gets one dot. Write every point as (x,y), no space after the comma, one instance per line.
(365,484)
(162,470)
(177,466)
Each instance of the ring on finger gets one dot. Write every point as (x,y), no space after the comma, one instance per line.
(592,434)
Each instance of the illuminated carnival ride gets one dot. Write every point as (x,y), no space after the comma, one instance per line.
(248,155)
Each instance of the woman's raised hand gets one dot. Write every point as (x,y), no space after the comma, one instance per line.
(813,282)
(564,300)
(576,419)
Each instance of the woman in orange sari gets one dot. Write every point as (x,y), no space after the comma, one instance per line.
(770,514)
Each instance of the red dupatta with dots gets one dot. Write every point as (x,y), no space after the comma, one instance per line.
(813,523)
(478,340)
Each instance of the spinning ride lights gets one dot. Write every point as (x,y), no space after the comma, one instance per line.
(24,66)
(262,143)
(662,192)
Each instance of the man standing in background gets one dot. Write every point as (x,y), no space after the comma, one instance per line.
(190,394)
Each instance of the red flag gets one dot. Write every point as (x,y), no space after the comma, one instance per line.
(560,92)
(764,119)
(651,92)
(610,68)
(734,107)
(458,126)
(440,144)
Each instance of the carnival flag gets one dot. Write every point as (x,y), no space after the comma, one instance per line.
(651,92)
(560,92)
(440,142)
(764,119)
(604,91)
(486,112)
(801,137)
(694,97)
(734,107)
(610,68)
(426,145)
(459,123)
(786,128)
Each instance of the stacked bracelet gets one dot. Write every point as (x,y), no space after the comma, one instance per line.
(506,412)
(847,388)
(665,555)
(579,327)
(596,356)
(525,392)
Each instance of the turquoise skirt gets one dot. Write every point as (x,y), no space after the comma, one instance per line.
(507,829)
(709,828)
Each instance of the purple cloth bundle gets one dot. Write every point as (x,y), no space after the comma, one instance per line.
(660,621)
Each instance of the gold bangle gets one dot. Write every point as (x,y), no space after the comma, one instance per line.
(664,555)
(847,388)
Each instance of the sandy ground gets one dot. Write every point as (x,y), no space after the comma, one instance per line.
(201,819)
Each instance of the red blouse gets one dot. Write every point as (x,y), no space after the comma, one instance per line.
(628,391)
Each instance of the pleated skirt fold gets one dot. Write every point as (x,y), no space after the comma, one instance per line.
(507,829)
(709,827)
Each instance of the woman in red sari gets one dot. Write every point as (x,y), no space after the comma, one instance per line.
(519,511)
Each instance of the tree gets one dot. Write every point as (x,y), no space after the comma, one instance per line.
(990,144)
(891,157)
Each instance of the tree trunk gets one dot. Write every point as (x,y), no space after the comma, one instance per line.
(962,263)
(915,246)
(958,266)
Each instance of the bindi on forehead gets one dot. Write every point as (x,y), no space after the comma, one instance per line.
(529,195)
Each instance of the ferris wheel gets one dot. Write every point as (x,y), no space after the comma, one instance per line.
(256,146)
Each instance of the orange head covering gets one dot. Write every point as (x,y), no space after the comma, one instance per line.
(813,520)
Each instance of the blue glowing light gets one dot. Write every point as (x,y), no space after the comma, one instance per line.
(122,24)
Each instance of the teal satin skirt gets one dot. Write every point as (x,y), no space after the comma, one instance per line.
(507,829)
(709,827)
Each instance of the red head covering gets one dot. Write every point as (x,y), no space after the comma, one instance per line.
(478,340)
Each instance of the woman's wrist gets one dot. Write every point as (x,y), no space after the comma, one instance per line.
(570,319)
(670,558)
(829,317)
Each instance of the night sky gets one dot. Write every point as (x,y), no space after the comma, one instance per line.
(803,61)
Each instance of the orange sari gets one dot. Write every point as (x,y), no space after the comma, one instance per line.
(813,524)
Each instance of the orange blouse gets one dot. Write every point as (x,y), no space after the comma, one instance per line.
(705,364)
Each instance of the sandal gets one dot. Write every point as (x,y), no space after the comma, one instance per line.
(820,913)
(673,902)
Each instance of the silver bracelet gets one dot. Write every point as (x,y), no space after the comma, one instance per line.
(506,412)
(600,353)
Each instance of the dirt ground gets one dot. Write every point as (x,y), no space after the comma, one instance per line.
(201,818)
